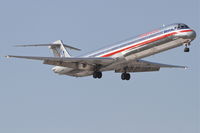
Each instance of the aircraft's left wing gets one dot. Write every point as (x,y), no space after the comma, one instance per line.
(144,66)
(68,62)
(154,64)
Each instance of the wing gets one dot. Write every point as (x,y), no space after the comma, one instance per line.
(144,66)
(68,62)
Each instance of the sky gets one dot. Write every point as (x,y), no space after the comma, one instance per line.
(34,99)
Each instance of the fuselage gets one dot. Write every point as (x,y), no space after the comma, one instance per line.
(144,45)
(178,33)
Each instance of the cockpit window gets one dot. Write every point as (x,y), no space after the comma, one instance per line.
(182,26)
(186,26)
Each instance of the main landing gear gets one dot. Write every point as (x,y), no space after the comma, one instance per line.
(186,49)
(125,76)
(97,74)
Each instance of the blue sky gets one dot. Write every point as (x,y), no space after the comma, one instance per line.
(34,99)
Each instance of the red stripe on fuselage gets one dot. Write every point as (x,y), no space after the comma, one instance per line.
(143,43)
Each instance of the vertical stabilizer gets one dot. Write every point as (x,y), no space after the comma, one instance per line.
(59,49)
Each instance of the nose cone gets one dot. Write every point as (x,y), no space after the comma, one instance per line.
(187,34)
(192,35)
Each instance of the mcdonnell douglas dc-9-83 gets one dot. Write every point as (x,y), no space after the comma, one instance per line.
(124,57)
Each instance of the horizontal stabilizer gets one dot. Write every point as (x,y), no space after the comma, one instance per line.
(50,44)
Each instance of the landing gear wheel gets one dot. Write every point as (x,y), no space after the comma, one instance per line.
(97,75)
(186,49)
(128,76)
(94,75)
(125,76)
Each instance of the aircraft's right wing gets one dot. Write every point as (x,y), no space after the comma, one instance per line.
(68,62)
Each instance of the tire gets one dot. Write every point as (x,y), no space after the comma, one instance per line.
(123,76)
(99,75)
(186,49)
(128,76)
(94,75)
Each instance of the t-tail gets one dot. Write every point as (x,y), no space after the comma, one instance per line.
(58,48)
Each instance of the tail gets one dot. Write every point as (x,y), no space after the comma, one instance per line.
(57,47)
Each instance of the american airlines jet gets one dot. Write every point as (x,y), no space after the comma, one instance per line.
(124,57)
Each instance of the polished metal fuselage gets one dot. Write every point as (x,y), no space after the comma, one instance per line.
(139,47)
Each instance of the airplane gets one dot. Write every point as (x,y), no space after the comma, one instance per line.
(124,57)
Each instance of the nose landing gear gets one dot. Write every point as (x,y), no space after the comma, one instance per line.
(186,49)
